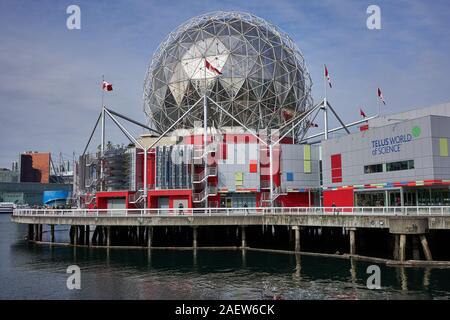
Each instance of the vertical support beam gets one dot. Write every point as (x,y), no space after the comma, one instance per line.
(426,249)
(297,238)
(352,233)
(52,233)
(87,233)
(402,197)
(149,236)
(205,143)
(243,237)
(194,237)
(30,232)
(271,170)
(145,177)
(402,247)
(75,235)
(108,236)
(39,232)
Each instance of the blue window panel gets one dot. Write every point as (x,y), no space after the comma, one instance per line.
(289,176)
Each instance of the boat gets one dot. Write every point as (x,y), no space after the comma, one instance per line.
(7,207)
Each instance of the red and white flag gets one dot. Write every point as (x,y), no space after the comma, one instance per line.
(380,96)
(210,67)
(327,75)
(361,112)
(106,86)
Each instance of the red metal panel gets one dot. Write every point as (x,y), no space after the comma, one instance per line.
(253,166)
(336,168)
(295,199)
(340,198)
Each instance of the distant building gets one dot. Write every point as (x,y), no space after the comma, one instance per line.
(35,167)
(31,177)
(28,192)
(7,175)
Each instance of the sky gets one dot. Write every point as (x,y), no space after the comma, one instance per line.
(50,76)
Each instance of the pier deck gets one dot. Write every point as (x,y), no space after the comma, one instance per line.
(397,219)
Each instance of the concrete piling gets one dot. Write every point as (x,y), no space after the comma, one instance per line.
(426,249)
(108,236)
(352,234)
(149,236)
(194,237)
(297,238)
(243,237)
(31,232)
(52,233)
(87,233)
(402,247)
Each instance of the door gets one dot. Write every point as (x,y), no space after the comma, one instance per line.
(394,199)
(163,202)
(117,203)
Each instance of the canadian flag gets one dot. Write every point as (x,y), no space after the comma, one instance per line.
(361,112)
(210,67)
(327,75)
(106,86)
(380,96)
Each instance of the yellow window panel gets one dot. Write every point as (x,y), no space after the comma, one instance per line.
(307,152)
(443,147)
(307,166)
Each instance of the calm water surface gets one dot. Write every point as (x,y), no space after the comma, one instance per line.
(29,271)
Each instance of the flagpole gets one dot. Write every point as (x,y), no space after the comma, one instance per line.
(325,105)
(378,102)
(102,147)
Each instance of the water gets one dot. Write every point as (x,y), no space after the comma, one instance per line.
(29,271)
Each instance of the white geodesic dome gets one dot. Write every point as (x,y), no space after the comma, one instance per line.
(245,64)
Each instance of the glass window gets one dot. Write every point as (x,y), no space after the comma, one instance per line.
(373,168)
(390,166)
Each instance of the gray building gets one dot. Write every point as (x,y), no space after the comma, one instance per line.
(7,175)
(401,159)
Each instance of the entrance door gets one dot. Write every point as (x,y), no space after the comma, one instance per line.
(229,203)
(163,202)
(117,203)
(394,199)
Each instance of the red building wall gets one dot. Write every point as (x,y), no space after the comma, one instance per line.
(341,198)
(297,199)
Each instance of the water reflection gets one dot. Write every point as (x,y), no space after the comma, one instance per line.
(39,272)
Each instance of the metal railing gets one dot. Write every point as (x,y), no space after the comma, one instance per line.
(325,211)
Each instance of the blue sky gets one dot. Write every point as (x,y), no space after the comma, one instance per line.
(50,76)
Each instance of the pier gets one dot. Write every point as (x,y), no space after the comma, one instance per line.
(398,233)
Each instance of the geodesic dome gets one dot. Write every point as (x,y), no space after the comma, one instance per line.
(248,66)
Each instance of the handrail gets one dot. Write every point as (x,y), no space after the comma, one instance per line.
(345,211)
